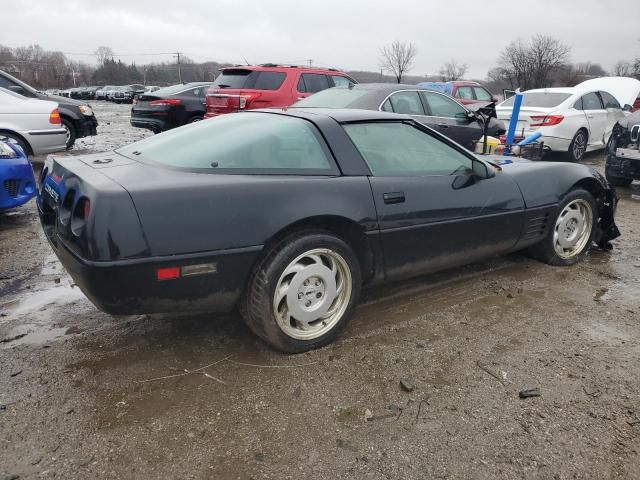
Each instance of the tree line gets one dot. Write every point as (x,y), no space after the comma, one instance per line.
(540,61)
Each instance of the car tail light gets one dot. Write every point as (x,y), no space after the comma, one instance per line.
(545,120)
(86,210)
(246,98)
(167,273)
(168,101)
(54,117)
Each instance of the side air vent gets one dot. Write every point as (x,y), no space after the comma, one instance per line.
(536,225)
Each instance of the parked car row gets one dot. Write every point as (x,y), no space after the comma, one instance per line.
(77,118)
(123,93)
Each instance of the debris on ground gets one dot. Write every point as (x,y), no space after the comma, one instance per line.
(407,385)
(530,392)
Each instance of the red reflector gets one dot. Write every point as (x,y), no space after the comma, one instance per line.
(170,273)
(86,210)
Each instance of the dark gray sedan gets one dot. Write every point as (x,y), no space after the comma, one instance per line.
(433,109)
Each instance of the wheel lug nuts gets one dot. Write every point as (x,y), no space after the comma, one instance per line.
(318,295)
(308,303)
(306,282)
(300,295)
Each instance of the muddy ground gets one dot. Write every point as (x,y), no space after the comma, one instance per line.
(87,395)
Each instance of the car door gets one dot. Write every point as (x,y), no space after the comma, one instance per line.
(433,211)
(614,113)
(452,119)
(596,116)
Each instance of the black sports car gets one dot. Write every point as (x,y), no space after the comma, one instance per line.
(433,109)
(170,107)
(288,213)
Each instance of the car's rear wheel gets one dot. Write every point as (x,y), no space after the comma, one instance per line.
(571,234)
(71,132)
(197,118)
(578,146)
(302,292)
(13,139)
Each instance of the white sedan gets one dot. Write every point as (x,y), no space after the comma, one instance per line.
(573,120)
(33,124)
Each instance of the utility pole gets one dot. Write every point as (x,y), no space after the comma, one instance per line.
(310,62)
(179,72)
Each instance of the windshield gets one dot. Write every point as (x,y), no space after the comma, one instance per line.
(539,99)
(337,97)
(240,141)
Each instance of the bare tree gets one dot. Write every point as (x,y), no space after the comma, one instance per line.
(452,71)
(103,53)
(398,58)
(590,69)
(622,69)
(532,65)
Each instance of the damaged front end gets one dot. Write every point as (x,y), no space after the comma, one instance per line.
(606,229)
(623,152)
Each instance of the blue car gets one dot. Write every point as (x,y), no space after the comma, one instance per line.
(17,184)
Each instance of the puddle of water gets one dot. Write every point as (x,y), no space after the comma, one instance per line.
(37,303)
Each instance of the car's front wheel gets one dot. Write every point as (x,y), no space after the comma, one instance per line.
(13,139)
(571,234)
(71,132)
(302,292)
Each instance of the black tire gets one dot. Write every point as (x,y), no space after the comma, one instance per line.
(545,250)
(71,132)
(195,118)
(619,181)
(9,137)
(575,154)
(257,303)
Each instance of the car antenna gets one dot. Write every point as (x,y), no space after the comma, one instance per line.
(246,61)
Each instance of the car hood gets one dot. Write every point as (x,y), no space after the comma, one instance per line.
(626,90)
(62,100)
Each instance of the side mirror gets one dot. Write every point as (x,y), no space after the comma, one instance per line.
(627,108)
(482,170)
(16,89)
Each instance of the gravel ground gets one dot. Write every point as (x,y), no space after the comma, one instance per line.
(87,395)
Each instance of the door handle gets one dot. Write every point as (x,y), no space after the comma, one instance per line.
(589,116)
(393,197)
(443,125)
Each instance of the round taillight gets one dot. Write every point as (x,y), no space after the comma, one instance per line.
(80,216)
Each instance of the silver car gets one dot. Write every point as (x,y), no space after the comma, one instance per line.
(33,124)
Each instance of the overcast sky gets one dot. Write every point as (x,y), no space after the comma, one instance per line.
(338,33)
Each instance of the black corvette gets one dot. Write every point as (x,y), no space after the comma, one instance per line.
(287,214)
(433,109)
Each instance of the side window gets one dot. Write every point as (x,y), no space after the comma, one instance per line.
(313,82)
(407,102)
(609,100)
(397,149)
(482,94)
(442,106)
(269,80)
(465,93)
(591,101)
(339,81)
(578,104)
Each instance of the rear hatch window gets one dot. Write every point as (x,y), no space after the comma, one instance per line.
(238,78)
(539,99)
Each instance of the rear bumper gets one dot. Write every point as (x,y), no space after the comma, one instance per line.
(150,123)
(130,287)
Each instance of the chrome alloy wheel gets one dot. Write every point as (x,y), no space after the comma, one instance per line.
(312,294)
(573,228)
(579,146)
(68,133)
